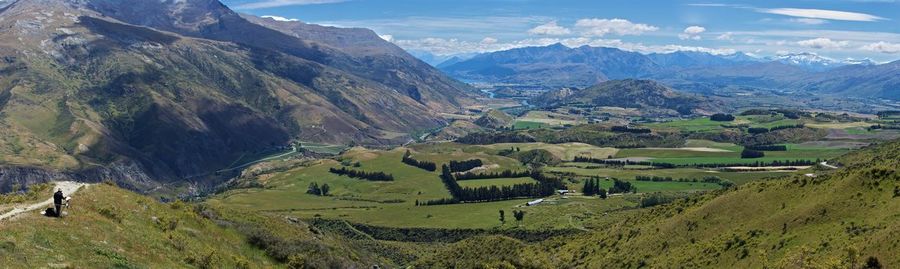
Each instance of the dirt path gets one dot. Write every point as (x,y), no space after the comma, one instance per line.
(68,188)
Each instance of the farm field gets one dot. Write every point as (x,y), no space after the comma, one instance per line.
(523,125)
(393,203)
(689,156)
(396,203)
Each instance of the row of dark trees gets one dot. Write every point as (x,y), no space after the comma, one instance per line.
(592,187)
(761,130)
(489,175)
(371,176)
(782,127)
(315,189)
(767,147)
(706,179)
(462,166)
(429,166)
(721,117)
(756,164)
(626,129)
(622,162)
(544,186)
(752,154)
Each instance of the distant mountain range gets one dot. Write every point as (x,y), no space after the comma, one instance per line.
(560,66)
(149,91)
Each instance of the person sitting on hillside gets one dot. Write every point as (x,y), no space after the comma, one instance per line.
(58,198)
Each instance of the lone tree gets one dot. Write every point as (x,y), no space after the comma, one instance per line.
(502,217)
(519,215)
(323,191)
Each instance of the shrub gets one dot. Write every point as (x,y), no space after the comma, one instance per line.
(721,117)
(205,261)
(110,213)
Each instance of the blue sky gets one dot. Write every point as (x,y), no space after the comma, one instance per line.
(836,29)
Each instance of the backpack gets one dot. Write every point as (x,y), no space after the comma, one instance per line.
(50,212)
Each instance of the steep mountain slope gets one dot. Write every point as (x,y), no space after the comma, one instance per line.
(882,81)
(382,61)
(839,219)
(646,95)
(167,90)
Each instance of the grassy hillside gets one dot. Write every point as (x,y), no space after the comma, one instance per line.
(629,93)
(112,228)
(839,219)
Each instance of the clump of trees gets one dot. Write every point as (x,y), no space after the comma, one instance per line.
(426,165)
(751,154)
(722,117)
(462,166)
(592,187)
(371,176)
(620,186)
(315,189)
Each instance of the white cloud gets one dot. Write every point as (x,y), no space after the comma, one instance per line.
(725,36)
(602,27)
(550,28)
(883,47)
(808,21)
(388,38)
(282,3)
(821,14)
(692,32)
(278,18)
(823,43)
(489,40)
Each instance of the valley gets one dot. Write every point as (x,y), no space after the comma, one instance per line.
(208,134)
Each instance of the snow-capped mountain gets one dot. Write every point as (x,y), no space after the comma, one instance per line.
(866,61)
(808,60)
